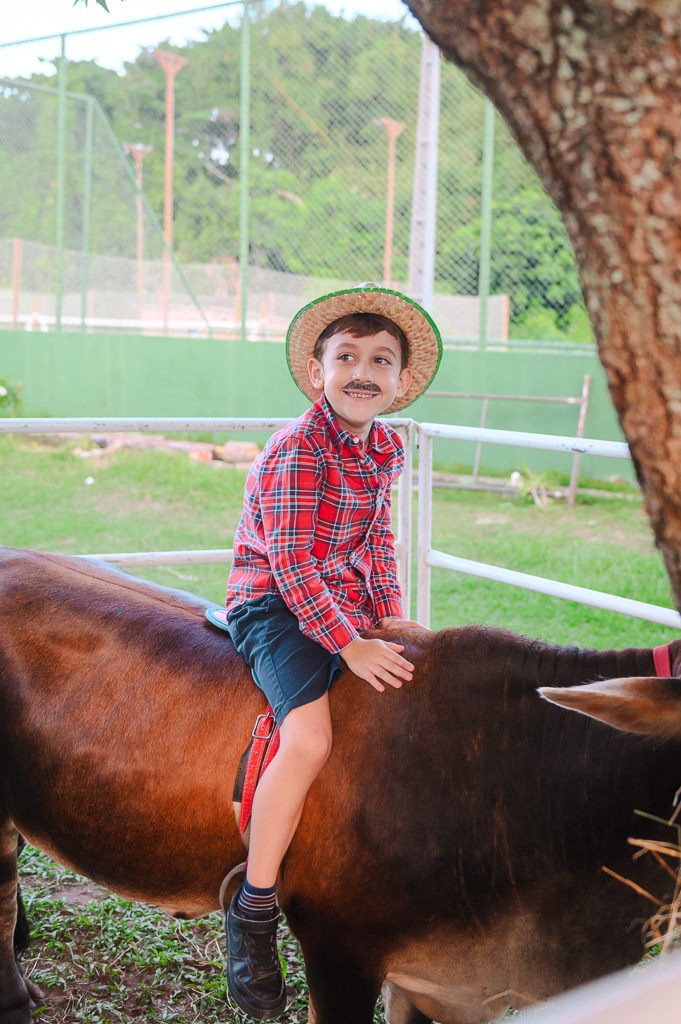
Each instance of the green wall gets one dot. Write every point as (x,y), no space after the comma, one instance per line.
(128,375)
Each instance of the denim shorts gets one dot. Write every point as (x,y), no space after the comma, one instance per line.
(289,667)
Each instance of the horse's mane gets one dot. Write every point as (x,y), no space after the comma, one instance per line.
(521,662)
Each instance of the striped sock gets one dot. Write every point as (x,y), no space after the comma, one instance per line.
(257,903)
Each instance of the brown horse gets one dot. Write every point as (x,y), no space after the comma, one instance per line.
(450,851)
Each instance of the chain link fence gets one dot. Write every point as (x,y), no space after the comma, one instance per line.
(285,139)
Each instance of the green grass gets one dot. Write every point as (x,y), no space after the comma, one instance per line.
(104,960)
(139,501)
(601,544)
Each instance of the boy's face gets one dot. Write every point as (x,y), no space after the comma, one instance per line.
(361,378)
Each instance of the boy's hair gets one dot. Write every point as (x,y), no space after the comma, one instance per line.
(363,325)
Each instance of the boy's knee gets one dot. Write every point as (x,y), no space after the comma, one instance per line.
(311,745)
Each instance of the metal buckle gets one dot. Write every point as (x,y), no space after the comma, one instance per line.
(270,722)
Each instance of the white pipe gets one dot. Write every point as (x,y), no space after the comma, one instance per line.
(427,557)
(404,519)
(425,527)
(207,557)
(144,425)
(548,442)
(595,598)
(650,993)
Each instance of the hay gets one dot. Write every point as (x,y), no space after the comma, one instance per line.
(663,929)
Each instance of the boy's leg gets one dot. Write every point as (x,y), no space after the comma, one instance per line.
(305,744)
(254,973)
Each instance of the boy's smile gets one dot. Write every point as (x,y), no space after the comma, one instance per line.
(361,378)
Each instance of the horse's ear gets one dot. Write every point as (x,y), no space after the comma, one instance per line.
(651,706)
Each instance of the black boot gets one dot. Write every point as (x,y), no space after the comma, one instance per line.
(254,976)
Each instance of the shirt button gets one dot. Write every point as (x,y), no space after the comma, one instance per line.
(355,440)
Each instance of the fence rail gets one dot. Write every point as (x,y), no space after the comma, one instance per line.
(417,437)
(197,424)
(209,556)
(140,424)
(520,439)
(429,557)
(552,588)
(582,401)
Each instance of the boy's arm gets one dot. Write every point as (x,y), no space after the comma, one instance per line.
(290,488)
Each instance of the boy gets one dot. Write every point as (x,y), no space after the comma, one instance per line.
(313,566)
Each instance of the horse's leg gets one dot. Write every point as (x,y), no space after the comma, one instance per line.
(21,940)
(340,989)
(21,932)
(399,1009)
(15,1004)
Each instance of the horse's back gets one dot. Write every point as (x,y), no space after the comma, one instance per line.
(22,570)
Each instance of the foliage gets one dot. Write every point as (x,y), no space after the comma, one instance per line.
(319,85)
(10,397)
(532,485)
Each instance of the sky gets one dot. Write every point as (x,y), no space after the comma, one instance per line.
(28,19)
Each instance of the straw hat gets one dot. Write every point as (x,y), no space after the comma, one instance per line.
(425,343)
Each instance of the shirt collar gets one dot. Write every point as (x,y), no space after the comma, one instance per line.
(377,440)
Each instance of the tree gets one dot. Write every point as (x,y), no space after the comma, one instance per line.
(319,85)
(591,90)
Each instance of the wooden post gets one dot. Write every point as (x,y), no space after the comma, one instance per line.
(583,404)
(171,64)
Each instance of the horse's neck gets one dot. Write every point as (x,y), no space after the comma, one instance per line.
(570,666)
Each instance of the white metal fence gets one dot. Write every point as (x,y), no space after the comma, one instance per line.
(417,437)
(650,995)
(429,557)
(163,425)
(581,402)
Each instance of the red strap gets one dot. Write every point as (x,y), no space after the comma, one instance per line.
(663,665)
(272,748)
(264,747)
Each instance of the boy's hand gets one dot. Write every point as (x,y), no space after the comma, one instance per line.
(377,662)
(392,622)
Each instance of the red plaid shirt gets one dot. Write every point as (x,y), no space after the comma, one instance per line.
(316,527)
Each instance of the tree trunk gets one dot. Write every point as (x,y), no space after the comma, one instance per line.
(591,89)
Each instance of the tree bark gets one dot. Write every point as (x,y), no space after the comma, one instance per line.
(591,90)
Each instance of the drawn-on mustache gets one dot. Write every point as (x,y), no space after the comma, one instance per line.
(368,386)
